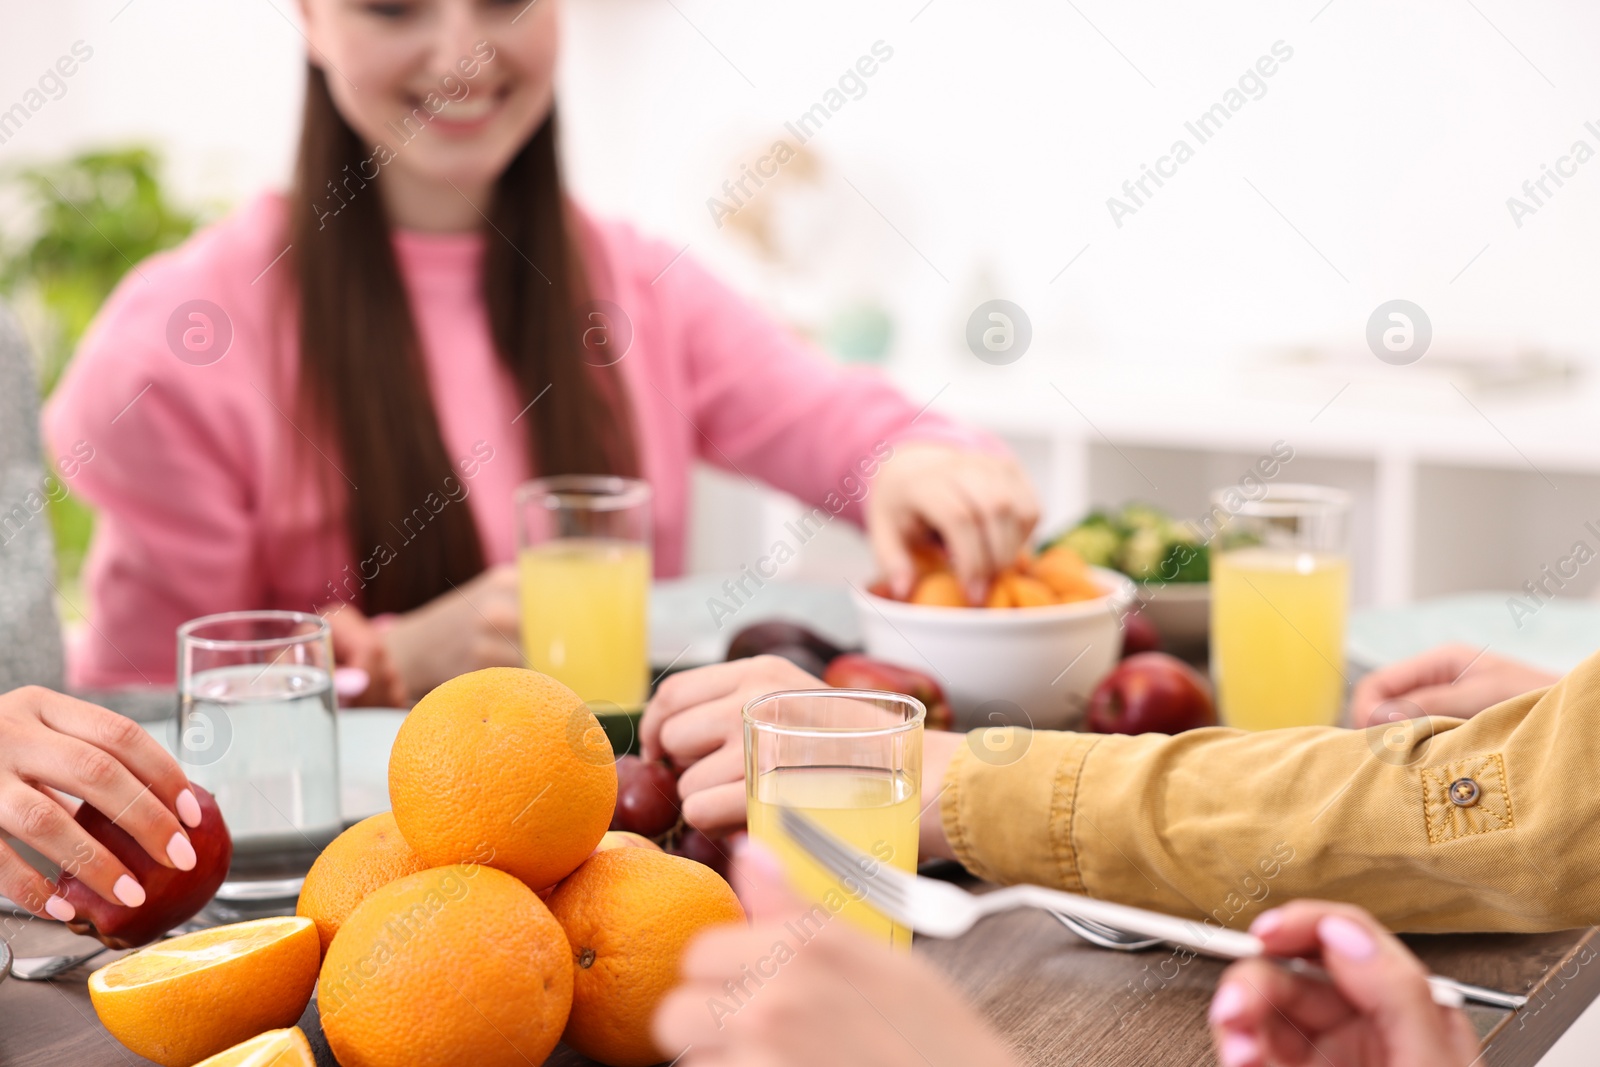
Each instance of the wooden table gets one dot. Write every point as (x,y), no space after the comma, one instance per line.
(1057,999)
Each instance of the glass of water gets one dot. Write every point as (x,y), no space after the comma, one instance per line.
(257,727)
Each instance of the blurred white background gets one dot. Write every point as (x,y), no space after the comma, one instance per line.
(1229,312)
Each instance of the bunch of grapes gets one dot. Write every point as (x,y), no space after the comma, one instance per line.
(648,805)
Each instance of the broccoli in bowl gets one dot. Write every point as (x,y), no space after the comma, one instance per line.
(1141,541)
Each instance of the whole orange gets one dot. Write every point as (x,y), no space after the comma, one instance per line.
(503,767)
(368,856)
(628,914)
(626,839)
(454,965)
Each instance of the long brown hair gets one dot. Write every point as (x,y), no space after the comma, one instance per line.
(362,379)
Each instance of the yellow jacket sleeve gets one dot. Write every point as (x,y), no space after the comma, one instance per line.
(1484,824)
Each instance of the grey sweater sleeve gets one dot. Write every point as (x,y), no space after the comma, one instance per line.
(30,634)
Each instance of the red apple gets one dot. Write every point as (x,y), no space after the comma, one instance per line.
(1139,634)
(855,671)
(171,896)
(1150,692)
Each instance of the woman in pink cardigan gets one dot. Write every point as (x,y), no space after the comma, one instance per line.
(328,398)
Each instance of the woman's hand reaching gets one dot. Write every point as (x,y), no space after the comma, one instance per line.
(980,506)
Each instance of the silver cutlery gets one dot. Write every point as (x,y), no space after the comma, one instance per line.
(1123,941)
(44,968)
(1102,936)
(940,909)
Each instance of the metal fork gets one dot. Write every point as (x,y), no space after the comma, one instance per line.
(1102,936)
(44,968)
(942,910)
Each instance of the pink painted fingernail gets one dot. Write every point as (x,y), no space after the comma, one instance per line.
(1238,1050)
(351,682)
(1228,1004)
(58,909)
(128,891)
(1267,923)
(188,809)
(181,853)
(1345,938)
(750,853)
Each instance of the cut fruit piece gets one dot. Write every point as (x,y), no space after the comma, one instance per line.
(275,1048)
(940,589)
(182,1000)
(1029,592)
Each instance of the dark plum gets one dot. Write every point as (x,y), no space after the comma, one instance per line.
(768,637)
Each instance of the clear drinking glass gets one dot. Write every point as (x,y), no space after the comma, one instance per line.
(257,726)
(584,560)
(1280,594)
(851,760)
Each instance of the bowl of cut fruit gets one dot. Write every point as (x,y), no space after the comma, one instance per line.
(1049,628)
(1168,560)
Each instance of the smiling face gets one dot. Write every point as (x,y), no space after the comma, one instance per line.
(454,89)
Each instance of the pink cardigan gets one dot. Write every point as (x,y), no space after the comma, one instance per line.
(202,510)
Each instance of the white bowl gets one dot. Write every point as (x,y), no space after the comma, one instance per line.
(998,666)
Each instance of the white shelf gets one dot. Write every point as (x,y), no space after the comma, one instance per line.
(1452,492)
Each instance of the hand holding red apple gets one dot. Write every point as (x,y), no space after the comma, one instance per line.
(53,746)
(171,895)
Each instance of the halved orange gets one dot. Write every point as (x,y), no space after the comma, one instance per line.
(275,1048)
(194,996)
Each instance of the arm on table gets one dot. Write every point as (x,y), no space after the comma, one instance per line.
(1223,823)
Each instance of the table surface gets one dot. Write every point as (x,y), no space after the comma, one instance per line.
(1055,998)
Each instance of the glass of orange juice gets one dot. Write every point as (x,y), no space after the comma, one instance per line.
(1280,594)
(851,760)
(584,563)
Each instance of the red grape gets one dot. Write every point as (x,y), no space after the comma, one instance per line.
(712,852)
(647,797)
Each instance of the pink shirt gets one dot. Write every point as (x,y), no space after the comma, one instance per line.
(202,507)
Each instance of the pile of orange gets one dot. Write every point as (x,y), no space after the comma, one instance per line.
(424,930)
(1057,575)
